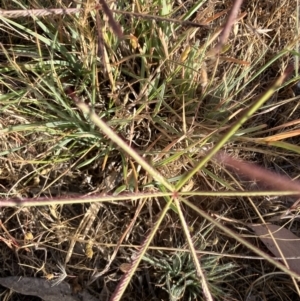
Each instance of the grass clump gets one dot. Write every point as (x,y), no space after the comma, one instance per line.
(175,273)
(113,145)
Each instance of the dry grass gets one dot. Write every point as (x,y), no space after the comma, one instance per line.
(171,99)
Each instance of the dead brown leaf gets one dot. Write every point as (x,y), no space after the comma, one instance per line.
(288,243)
(43,288)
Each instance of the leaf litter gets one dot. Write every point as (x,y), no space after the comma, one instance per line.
(284,239)
(44,289)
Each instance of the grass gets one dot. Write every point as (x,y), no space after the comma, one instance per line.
(112,145)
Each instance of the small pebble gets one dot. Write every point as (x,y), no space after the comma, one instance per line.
(296,89)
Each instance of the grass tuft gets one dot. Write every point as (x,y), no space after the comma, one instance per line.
(122,130)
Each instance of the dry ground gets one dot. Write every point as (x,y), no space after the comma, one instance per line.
(164,92)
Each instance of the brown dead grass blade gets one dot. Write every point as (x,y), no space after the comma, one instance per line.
(84,226)
(37,12)
(281,136)
(124,235)
(101,52)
